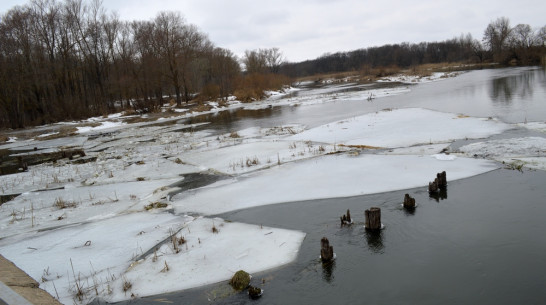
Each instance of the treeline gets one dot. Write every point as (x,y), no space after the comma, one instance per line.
(501,44)
(72,59)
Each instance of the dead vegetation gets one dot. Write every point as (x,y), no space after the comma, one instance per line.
(155,205)
(240,280)
(126,285)
(60,204)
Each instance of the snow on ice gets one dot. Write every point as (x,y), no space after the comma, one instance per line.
(94,225)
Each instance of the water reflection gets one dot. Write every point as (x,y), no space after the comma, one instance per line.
(506,89)
(375,240)
(226,120)
(409,210)
(440,195)
(328,271)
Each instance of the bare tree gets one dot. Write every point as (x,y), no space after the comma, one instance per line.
(273,59)
(254,62)
(522,36)
(496,36)
(263,60)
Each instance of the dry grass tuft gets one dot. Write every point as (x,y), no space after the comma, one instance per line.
(360,146)
(155,205)
(126,285)
(201,108)
(62,204)
(214,229)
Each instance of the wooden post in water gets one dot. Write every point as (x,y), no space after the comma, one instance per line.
(433,186)
(442,179)
(373,218)
(409,202)
(326,251)
(346,219)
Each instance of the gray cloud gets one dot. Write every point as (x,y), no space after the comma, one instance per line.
(306,29)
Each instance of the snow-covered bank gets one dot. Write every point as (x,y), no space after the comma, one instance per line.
(326,177)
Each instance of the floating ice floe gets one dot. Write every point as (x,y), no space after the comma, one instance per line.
(103,126)
(528,151)
(102,258)
(325,177)
(436,76)
(206,256)
(538,126)
(402,128)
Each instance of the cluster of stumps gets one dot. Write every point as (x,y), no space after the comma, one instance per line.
(373,215)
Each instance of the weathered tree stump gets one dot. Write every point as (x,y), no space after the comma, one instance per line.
(433,186)
(254,292)
(373,218)
(409,202)
(442,180)
(346,219)
(326,251)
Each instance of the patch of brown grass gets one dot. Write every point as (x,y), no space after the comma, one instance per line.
(360,146)
(334,76)
(155,205)
(252,87)
(201,107)
(63,204)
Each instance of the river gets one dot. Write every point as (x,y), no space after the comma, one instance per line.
(480,243)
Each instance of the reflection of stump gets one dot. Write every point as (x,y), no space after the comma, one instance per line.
(433,186)
(442,180)
(375,240)
(326,251)
(409,202)
(373,218)
(346,219)
(440,195)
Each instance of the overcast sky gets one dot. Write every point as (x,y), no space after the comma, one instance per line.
(307,29)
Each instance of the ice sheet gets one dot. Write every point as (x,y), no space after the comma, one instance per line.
(402,128)
(326,177)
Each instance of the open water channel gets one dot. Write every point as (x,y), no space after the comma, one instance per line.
(483,242)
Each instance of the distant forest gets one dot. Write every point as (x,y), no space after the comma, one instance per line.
(520,45)
(69,60)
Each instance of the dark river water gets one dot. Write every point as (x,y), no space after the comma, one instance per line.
(483,242)
(513,95)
